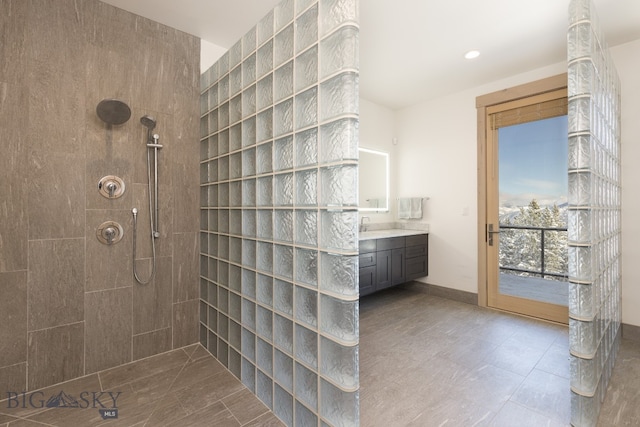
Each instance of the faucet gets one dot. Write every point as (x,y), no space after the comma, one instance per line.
(363,226)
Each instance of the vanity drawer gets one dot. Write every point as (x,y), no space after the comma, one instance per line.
(367,246)
(367,260)
(420,239)
(390,243)
(416,267)
(415,251)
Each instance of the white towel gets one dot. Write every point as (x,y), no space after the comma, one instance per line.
(404,208)
(416,208)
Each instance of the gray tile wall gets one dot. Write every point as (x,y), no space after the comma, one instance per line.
(69,304)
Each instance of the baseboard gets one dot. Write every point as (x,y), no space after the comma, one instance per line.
(631,332)
(442,292)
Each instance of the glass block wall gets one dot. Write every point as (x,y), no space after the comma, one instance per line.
(594,213)
(279,174)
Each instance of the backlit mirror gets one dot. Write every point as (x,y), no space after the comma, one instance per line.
(374,180)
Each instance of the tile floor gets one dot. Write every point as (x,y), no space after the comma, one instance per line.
(429,361)
(184,387)
(424,361)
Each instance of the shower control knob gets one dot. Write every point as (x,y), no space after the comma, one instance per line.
(111,187)
(109,232)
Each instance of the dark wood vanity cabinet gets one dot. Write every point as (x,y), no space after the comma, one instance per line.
(392,261)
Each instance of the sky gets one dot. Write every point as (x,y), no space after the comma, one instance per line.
(533,162)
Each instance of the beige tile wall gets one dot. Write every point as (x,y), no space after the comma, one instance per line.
(69,304)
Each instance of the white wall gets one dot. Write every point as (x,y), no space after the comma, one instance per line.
(436,156)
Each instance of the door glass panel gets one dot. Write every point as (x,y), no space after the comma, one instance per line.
(533,254)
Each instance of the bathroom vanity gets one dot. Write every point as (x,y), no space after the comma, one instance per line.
(391,257)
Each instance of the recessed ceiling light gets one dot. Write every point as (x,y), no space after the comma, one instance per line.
(472,54)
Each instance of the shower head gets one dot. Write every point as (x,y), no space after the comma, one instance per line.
(113,111)
(148,121)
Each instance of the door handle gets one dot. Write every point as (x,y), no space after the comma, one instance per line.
(490,233)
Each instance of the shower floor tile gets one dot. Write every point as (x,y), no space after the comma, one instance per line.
(184,387)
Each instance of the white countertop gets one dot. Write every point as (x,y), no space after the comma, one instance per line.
(394,232)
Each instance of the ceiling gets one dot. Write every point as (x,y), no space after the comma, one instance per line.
(412,50)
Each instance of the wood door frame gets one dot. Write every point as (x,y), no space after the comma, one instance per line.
(483,102)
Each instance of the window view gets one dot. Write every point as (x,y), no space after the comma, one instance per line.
(533,210)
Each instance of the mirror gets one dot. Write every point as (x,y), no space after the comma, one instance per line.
(374,180)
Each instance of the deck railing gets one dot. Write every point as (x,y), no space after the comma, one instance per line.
(542,271)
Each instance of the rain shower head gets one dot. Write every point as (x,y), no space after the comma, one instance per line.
(113,111)
(148,121)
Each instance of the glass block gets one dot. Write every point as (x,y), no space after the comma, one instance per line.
(235,84)
(249,192)
(235,216)
(265,28)
(249,133)
(223,92)
(235,194)
(307,227)
(283,225)
(213,244)
(264,322)
(264,389)
(339,274)
(249,223)
(339,318)
(283,333)
(283,405)
(248,374)
(213,270)
(283,297)
(283,369)
(306,188)
(223,226)
(223,115)
(339,230)
(264,95)
(264,354)
(249,42)
(579,225)
(235,137)
(334,13)
(339,51)
(264,290)
(203,310)
(339,185)
(223,168)
(212,170)
(264,163)
(249,284)
(307,29)
(580,152)
(283,266)
(283,46)
(283,153)
(249,71)
(212,96)
(306,386)
(248,317)
(264,256)
(581,112)
(580,264)
(283,82)
(337,406)
(213,319)
(249,253)
(307,108)
(306,306)
(306,346)
(583,337)
(306,70)
(249,343)
(265,224)
(249,101)
(283,118)
(581,41)
(585,374)
(223,142)
(235,54)
(307,267)
(339,95)
(234,362)
(223,326)
(264,60)
(304,417)
(307,147)
(581,78)
(339,141)
(204,126)
(264,125)
(283,190)
(339,363)
(234,334)
(235,244)
(283,13)
(264,196)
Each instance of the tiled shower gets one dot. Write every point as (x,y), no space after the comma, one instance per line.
(278,173)
(594,212)
(69,304)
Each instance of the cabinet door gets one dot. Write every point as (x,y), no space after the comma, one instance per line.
(416,267)
(367,280)
(398,271)
(383,269)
